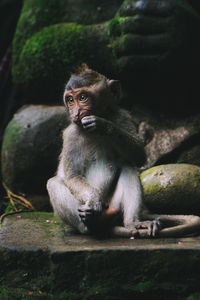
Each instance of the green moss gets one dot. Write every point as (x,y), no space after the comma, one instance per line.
(11,134)
(195,296)
(8,207)
(46,50)
(142,287)
(151,176)
(169,188)
(50,53)
(4,293)
(34,16)
(115,25)
(150,171)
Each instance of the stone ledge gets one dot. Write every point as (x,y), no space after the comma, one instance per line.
(44,231)
(49,258)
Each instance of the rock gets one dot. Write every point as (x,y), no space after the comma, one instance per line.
(191,155)
(49,261)
(169,140)
(30,150)
(172,189)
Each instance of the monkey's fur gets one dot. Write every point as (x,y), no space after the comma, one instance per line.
(97,188)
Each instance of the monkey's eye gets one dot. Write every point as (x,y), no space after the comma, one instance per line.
(70,100)
(83,97)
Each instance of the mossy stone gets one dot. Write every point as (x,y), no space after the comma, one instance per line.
(48,57)
(172,188)
(31,145)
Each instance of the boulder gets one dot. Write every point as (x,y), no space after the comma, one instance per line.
(30,150)
(172,189)
(170,140)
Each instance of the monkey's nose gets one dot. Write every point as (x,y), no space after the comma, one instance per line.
(77,116)
(77,120)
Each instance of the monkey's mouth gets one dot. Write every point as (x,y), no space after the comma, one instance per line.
(85,113)
(77,121)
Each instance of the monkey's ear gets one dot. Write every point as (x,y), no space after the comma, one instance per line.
(115,88)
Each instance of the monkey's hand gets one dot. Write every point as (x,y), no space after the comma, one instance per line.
(93,123)
(90,209)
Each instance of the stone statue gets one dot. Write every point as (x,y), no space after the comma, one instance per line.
(151,46)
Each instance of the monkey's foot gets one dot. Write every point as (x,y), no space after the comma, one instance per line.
(145,229)
(82,228)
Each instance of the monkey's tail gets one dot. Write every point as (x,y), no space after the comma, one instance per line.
(178,225)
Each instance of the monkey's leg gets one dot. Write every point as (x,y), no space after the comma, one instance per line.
(128,198)
(100,176)
(64,204)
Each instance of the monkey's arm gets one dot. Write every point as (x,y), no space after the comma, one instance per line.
(88,197)
(72,165)
(131,146)
(81,189)
(72,171)
(123,135)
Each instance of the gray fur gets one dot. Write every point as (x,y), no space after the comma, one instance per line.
(94,169)
(97,172)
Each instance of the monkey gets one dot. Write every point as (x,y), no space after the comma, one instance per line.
(97,188)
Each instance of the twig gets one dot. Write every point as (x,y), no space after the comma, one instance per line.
(17,198)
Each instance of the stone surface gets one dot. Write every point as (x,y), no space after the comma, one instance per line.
(44,259)
(30,150)
(44,231)
(172,188)
(169,140)
(191,155)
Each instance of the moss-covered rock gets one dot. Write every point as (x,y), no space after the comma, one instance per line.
(172,189)
(48,57)
(38,14)
(31,146)
(63,43)
(47,46)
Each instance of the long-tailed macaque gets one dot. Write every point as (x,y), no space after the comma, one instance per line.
(97,188)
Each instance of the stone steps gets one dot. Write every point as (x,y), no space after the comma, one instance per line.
(40,258)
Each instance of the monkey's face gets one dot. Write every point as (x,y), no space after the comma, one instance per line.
(79,103)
